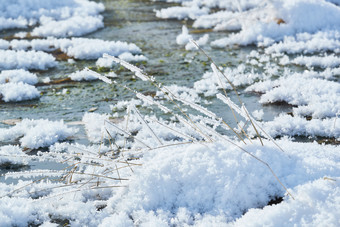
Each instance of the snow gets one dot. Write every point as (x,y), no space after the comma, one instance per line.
(82,75)
(94,125)
(182,12)
(82,48)
(196,184)
(299,126)
(37,133)
(210,83)
(281,26)
(143,170)
(75,26)
(184,39)
(16,92)
(313,97)
(15,76)
(314,206)
(330,61)
(13,155)
(63,18)
(303,16)
(11,59)
(79,48)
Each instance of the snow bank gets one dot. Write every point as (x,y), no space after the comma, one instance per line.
(194,184)
(37,133)
(11,59)
(61,19)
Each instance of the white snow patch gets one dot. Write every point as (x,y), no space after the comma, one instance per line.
(82,75)
(11,59)
(37,133)
(15,76)
(16,92)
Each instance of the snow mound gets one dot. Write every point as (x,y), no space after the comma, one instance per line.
(313,97)
(82,75)
(37,133)
(16,76)
(330,61)
(216,183)
(11,59)
(74,26)
(16,92)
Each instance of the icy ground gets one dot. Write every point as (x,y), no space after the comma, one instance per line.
(190,167)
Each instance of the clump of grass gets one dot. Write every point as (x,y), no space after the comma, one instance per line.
(182,116)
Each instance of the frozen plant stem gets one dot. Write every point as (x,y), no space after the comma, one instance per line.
(218,72)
